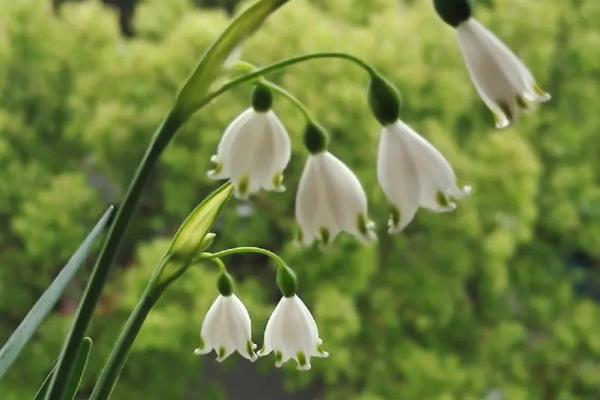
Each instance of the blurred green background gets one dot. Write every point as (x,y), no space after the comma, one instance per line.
(499,300)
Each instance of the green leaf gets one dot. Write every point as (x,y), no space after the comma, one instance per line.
(192,94)
(46,302)
(78,369)
(41,393)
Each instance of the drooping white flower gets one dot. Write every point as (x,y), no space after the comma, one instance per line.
(502,80)
(292,333)
(226,328)
(414,174)
(331,199)
(253,152)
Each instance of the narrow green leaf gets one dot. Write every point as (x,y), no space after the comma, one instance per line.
(78,369)
(41,393)
(46,302)
(192,94)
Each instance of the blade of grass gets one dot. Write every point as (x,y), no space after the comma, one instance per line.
(44,388)
(46,302)
(78,369)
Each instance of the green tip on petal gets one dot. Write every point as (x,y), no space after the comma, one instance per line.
(299,235)
(221,354)
(301,359)
(505,107)
(250,349)
(278,181)
(541,92)
(325,235)
(322,351)
(362,225)
(442,199)
(217,168)
(242,187)
(521,102)
(278,358)
(395,216)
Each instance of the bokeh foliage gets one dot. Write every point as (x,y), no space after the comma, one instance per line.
(498,298)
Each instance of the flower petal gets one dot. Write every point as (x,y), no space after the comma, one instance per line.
(398,176)
(437,180)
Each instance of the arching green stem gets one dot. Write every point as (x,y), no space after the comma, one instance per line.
(241,250)
(293,99)
(284,64)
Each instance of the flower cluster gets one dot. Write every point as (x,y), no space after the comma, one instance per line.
(255,149)
(291,331)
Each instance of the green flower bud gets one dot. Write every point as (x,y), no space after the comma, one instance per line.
(208,240)
(384,100)
(453,12)
(262,99)
(225,284)
(286,281)
(316,138)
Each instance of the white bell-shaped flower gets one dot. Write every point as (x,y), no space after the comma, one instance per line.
(226,328)
(414,174)
(502,80)
(292,333)
(253,152)
(331,199)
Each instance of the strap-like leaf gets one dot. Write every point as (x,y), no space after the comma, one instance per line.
(46,302)
(78,369)
(192,94)
(41,393)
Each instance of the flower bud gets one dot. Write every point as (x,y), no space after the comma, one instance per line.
(208,240)
(384,100)
(286,281)
(316,138)
(262,99)
(225,284)
(453,12)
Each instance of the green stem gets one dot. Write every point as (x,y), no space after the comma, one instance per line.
(239,250)
(293,99)
(120,351)
(283,64)
(220,264)
(111,246)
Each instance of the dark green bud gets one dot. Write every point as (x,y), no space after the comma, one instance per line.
(384,100)
(316,138)
(262,99)
(286,280)
(453,12)
(225,284)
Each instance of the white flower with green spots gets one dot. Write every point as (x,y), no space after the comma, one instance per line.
(227,328)
(253,152)
(330,199)
(292,333)
(502,80)
(414,174)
